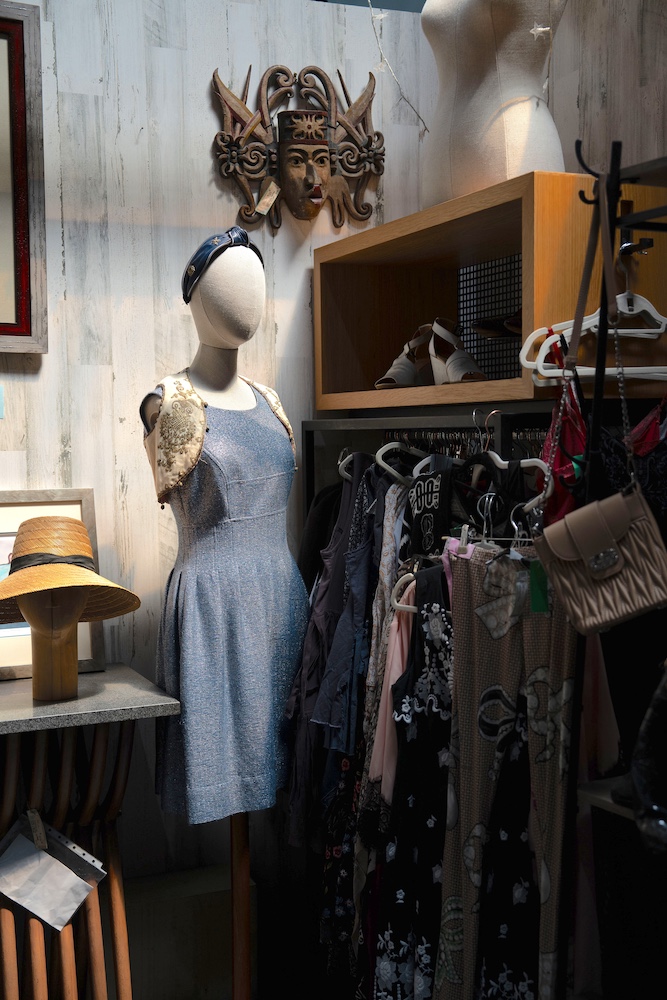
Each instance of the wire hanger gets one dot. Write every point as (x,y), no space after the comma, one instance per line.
(485,506)
(479,430)
(521,535)
(487,442)
(484,442)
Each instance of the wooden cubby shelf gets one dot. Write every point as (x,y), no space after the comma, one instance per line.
(372,290)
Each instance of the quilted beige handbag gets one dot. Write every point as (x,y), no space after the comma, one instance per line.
(607,561)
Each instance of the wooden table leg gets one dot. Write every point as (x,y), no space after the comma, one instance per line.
(39,771)
(121,771)
(69,990)
(96,965)
(64,963)
(241,959)
(9,969)
(36,959)
(63,793)
(35,942)
(110,809)
(10,781)
(95,776)
(119,939)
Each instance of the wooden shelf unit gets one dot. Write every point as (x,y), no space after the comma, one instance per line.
(372,290)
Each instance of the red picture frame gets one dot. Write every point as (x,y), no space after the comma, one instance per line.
(12,32)
(20,29)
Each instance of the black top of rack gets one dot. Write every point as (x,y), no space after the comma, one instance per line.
(652,173)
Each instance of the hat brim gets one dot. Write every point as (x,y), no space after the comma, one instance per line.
(106,599)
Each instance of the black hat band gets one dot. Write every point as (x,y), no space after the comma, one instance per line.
(48,558)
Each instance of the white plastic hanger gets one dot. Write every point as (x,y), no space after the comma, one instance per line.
(397,589)
(397,446)
(525,354)
(423,465)
(630,306)
(407,578)
(344,460)
(426,464)
(552,371)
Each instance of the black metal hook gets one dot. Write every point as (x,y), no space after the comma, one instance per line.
(577,149)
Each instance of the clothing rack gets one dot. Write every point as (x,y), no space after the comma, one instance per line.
(369,433)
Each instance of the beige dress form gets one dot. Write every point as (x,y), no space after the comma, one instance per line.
(491,120)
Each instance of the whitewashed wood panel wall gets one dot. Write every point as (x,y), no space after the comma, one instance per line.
(609,80)
(132,189)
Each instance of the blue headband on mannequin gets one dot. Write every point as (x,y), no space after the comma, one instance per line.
(208,251)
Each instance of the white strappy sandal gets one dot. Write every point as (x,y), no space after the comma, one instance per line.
(406,368)
(451,363)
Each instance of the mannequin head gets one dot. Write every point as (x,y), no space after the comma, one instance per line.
(304,161)
(228,300)
(52,613)
(53,616)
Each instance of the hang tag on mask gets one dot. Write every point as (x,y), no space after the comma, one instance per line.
(268,194)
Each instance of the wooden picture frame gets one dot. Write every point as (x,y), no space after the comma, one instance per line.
(17,506)
(23,304)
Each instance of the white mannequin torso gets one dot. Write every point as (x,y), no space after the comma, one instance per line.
(227,306)
(491,120)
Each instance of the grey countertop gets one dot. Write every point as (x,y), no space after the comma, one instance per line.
(111,695)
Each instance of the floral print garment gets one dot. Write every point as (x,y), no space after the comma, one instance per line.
(410,893)
(509,903)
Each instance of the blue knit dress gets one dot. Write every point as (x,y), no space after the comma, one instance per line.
(233,621)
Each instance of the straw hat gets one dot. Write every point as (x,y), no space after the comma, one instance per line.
(52,552)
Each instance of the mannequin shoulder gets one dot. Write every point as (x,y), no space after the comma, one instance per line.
(170,386)
(149,409)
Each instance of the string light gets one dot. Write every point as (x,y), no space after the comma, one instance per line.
(539,29)
(375,16)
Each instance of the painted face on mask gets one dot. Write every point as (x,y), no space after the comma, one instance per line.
(304,161)
(305,172)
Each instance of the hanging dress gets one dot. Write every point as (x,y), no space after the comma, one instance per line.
(404,944)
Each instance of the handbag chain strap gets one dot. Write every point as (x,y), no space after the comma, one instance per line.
(599,224)
(612,313)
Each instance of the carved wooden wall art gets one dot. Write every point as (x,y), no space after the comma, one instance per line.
(304,156)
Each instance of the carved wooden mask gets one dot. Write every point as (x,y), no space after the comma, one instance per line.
(314,153)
